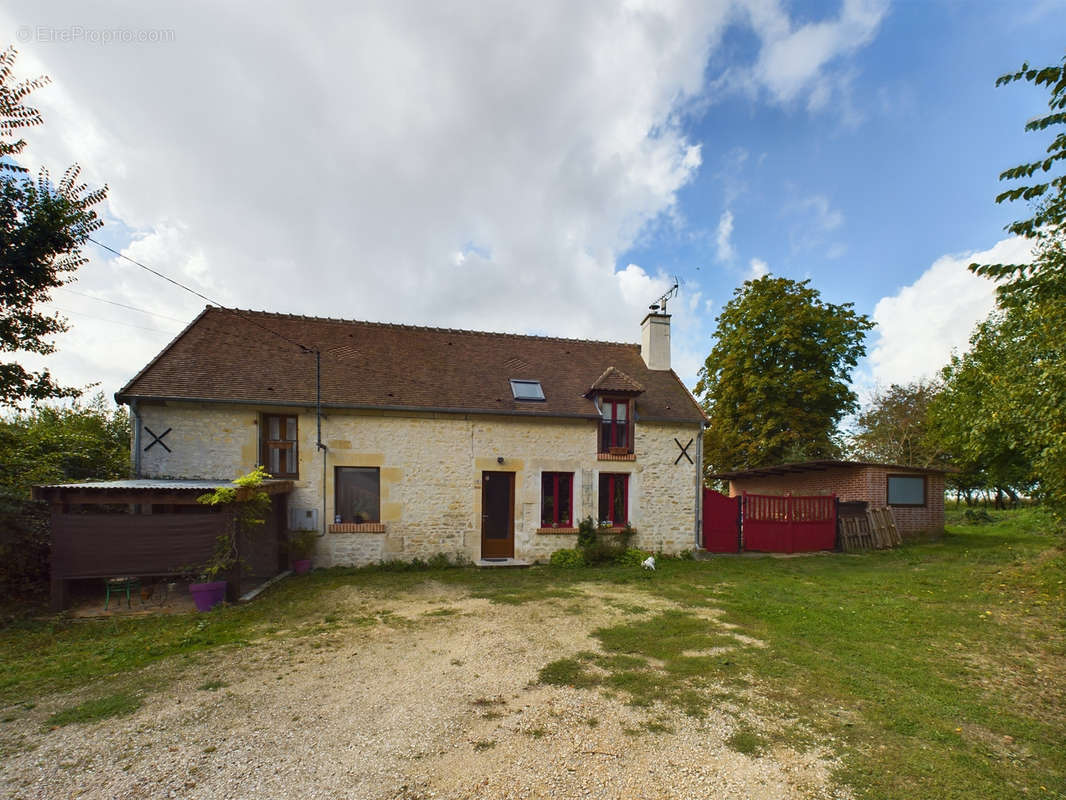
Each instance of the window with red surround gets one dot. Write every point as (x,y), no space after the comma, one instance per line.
(616,425)
(278,445)
(556,499)
(614,499)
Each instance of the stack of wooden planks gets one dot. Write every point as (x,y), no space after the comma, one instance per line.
(874,530)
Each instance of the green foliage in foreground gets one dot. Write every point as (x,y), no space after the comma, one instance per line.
(51,444)
(935,670)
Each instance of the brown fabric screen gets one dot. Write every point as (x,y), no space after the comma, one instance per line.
(105,545)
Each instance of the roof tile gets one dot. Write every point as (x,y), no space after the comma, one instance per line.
(259,357)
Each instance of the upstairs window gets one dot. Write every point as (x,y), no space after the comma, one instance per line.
(279,446)
(614,499)
(906,490)
(357,494)
(527,390)
(556,499)
(616,434)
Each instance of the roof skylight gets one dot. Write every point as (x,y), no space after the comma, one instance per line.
(526,390)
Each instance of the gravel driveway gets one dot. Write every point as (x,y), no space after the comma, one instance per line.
(430,693)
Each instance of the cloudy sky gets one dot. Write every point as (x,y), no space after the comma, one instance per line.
(541,167)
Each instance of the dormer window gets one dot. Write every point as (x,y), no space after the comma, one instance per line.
(616,432)
(526,390)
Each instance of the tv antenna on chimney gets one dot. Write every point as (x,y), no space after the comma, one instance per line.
(660,304)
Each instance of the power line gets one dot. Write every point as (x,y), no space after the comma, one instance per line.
(122,305)
(180,285)
(112,321)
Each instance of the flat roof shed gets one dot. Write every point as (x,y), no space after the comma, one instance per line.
(915,495)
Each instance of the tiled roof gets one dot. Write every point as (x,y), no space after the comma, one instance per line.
(227,355)
(614,380)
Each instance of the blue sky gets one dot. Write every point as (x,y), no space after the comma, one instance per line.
(542,169)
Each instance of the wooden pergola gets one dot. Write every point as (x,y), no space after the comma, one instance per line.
(163,531)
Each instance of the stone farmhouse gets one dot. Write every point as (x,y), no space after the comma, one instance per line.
(403,442)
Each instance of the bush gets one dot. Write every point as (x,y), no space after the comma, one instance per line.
(631,557)
(568,557)
(25,544)
(586,533)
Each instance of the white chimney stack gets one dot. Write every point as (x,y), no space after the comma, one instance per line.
(655,341)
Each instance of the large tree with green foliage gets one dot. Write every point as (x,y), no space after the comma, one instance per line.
(1016,372)
(981,416)
(51,444)
(777,381)
(893,426)
(42,228)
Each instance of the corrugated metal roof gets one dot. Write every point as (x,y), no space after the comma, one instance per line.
(778,470)
(152,484)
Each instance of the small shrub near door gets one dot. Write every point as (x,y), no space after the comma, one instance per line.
(568,557)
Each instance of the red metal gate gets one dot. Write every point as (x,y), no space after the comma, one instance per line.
(721,522)
(788,524)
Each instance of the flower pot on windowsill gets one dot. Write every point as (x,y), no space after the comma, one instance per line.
(207,595)
(618,451)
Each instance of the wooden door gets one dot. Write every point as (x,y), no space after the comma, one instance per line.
(497,515)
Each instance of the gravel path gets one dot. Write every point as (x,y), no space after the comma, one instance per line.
(438,699)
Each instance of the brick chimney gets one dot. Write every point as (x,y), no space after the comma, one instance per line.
(655,340)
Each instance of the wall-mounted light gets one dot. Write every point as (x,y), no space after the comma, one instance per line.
(499,459)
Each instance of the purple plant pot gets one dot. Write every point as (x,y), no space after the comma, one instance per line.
(207,595)
(301,566)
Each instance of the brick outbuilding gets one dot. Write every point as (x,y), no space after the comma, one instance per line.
(914,494)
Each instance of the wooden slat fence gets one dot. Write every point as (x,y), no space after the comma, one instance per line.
(873,530)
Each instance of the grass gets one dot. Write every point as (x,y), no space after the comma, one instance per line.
(747,741)
(113,705)
(935,670)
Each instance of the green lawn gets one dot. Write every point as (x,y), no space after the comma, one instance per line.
(936,670)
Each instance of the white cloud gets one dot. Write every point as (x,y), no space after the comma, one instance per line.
(797,60)
(815,219)
(724,237)
(342,164)
(757,268)
(921,324)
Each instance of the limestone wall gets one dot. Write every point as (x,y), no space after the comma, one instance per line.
(430,474)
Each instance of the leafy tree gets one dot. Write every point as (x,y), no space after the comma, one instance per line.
(51,445)
(1017,371)
(42,228)
(1045,277)
(893,428)
(776,383)
(982,417)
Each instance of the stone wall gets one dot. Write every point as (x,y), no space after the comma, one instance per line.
(866,483)
(430,468)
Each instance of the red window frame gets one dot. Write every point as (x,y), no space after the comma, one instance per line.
(562,482)
(609,481)
(610,427)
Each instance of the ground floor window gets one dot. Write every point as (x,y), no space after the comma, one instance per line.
(357,494)
(614,498)
(906,490)
(556,499)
